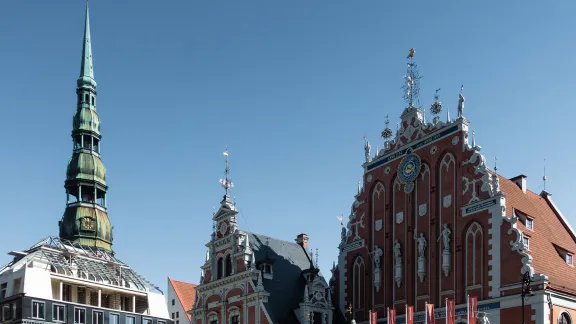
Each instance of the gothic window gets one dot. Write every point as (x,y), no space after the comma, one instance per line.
(474,256)
(359,281)
(564,318)
(234,316)
(219,267)
(228,265)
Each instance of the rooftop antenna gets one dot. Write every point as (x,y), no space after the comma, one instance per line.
(226,183)
(544,177)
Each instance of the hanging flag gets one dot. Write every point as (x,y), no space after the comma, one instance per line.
(450,311)
(391,315)
(374,317)
(430,319)
(472,309)
(409,314)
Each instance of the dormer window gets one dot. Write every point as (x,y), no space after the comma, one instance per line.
(569,259)
(529,223)
(526,242)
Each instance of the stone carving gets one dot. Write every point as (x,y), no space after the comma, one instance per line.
(397,263)
(369,178)
(343,235)
(378,224)
(399,217)
(359,223)
(460,105)
(433,150)
(482,318)
(471,183)
(377,273)
(387,170)
(367,150)
(422,209)
(447,201)
(445,236)
(421,241)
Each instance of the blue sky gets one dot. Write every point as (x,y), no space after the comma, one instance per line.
(290,86)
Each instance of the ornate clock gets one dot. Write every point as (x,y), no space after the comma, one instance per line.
(88,224)
(408,170)
(223,228)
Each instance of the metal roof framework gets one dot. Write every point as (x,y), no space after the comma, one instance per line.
(73,260)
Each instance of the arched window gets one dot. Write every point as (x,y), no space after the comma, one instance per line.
(564,318)
(93,100)
(359,282)
(474,255)
(87,98)
(228,265)
(219,267)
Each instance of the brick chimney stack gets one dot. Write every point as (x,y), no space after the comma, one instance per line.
(302,240)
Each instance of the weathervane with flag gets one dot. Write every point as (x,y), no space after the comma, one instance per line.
(226,183)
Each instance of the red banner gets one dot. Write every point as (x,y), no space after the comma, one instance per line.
(409,314)
(430,319)
(472,309)
(374,317)
(391,315)
(450,311)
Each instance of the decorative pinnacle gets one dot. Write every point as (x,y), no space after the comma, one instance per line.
(341,218)
(387,132)
(412,77)
(495,164)
(226,183)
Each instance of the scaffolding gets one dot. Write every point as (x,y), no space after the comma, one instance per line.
(82,262)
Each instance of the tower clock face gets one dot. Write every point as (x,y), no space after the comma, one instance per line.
(223,228)
(88,224)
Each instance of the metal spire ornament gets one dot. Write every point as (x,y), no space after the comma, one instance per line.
(411,80)
(387,132)
(226,183)
(436,107)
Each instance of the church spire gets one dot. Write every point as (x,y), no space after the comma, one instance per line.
(86,67)
(85,220)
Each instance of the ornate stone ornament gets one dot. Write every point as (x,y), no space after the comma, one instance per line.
(377,273)
(447,201)
(378,224)
(433,150)
(408,170)
(445,236)
(223,228)
(455,140)
(397,263)
(387,170)
(369,178)
(399,217)
(422,210)
(422,244)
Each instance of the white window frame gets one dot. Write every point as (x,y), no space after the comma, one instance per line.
(36,303)
(526,242)
(54,319)
(571,257)
(567,313)
(132,317)
(234,311)
(117,317)
(147,320)
(530,223)
(77,310)
(94,312)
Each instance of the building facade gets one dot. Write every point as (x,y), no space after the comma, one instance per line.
(253,278)
(432,222)
(181,297)
(76,277)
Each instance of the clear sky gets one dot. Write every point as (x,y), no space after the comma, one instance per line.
(290,86)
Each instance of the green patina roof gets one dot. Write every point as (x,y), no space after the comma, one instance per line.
(86,78)
(86,166)
(71,227)
(86,119)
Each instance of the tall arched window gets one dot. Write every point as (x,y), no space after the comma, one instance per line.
(359,281)
(474,255)
(228,265)
(219,267)
(564,318)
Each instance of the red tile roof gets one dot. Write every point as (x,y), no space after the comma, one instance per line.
(186,293)
(550,229)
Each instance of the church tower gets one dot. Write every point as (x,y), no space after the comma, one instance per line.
(85,220)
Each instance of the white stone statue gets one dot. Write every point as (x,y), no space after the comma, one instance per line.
(397,253)
(377,255)
(445,236)
(461,103)
(482,318)
(367,148)
(421,244)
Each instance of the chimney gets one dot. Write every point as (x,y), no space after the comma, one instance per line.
(520,181)
(302,240)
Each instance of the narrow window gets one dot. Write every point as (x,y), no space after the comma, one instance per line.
(228,265)
(529,223)
(173,302)
(235,319)
(177,322)
(564,318)
(173,316)
(92,100)
(7,312)
(38,310)
(146,321)
(97,317)
(219,266)
(3,290)
(130,320)
(569,259)
(79,316)
(114,319)
(58,313)
(526,242)
(177,314)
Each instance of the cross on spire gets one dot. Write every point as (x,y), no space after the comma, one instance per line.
(226,183)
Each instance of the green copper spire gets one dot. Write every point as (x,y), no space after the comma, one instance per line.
(86,68)
(85,220)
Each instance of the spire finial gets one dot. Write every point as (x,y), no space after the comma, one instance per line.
(226,183)
(387,132)
(461,102)
(359,188)
(436,107)
(544,176)
(495,164)
(473,138)
(411,80)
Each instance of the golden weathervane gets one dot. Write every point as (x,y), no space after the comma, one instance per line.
(411,54)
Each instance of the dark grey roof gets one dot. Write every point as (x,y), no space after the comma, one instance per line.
(287,286)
